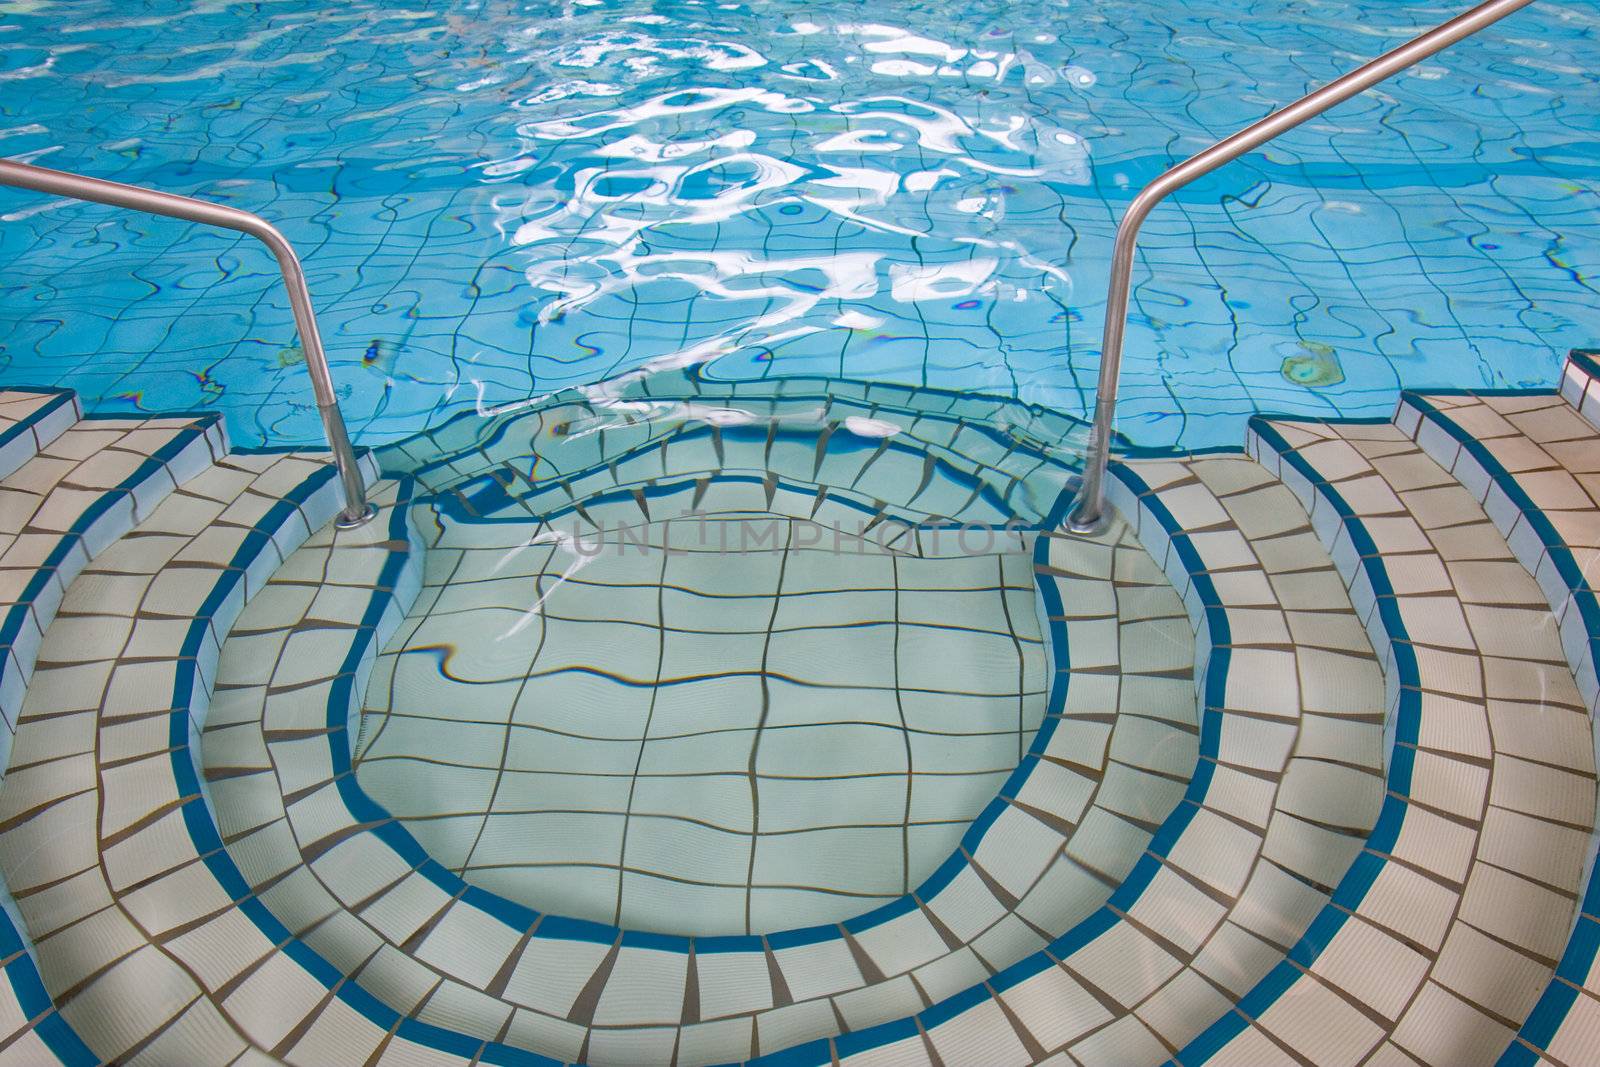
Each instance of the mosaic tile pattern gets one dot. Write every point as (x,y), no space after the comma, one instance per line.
(1449,924)
(538,196)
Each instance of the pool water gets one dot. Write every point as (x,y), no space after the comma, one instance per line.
(497,201)
(729,674)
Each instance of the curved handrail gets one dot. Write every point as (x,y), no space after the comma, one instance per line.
(78,187)
(1088,507)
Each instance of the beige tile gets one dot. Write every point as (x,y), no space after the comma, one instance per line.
(1517,911)
(1372,966)
(1441,1028)
(1445,506)
(1489,974)
(1551,424)
(1124,964)
(1314,1021)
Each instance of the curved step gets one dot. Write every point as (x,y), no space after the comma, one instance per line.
(80,492)
(105,845)
(79,485)
(714,999)
(1534,464)
(1239,868)
(1440,936)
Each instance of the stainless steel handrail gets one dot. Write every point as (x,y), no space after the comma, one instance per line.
(357,511)
(1088,507)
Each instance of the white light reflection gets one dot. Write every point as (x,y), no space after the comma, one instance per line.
(682,188)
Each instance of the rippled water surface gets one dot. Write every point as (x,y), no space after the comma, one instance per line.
(497,200)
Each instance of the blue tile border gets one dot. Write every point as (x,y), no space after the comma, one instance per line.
(1583,944)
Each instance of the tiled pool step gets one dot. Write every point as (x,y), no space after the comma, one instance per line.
(1441,936)
(104,847)
(31,419)
(71,487)
(71,500)
(266,909)
(938,452)
(1536,467)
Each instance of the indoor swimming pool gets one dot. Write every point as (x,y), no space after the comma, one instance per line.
(723,644)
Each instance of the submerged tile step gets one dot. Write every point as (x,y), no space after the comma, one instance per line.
(803,979)
(1285,900)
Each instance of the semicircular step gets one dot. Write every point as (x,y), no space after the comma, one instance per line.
(1015,877)
(1297,765)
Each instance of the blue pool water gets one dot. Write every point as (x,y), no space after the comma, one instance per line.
(498,200)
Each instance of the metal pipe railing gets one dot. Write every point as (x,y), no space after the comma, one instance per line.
(357,510)
(1088,507)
